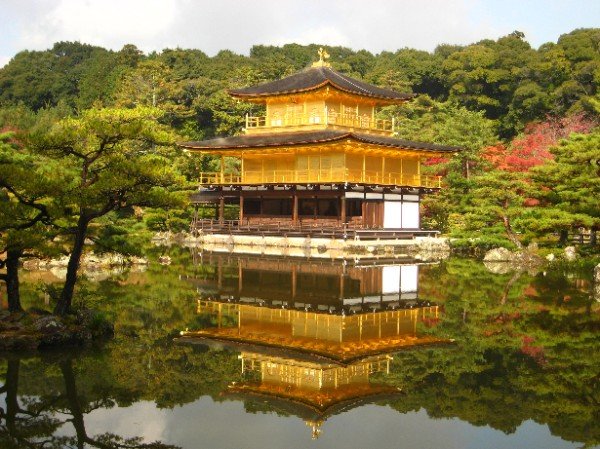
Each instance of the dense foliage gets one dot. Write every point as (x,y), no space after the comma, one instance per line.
(512,83)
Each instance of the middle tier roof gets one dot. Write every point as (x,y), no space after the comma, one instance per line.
(255,141)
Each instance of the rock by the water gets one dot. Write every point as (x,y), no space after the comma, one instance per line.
(164,260)
(89,261)
(502,260)
(499,255)
(432,248)
(570,253)
(48,324)
(27,331)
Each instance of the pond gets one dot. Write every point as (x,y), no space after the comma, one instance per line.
(225,351)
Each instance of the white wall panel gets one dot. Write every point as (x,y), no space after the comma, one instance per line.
(410,215)
(392,214)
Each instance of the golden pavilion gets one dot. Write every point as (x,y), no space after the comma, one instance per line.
(318,157)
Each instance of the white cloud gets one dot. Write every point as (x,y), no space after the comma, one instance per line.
(238,24)
(213,25)
(109,23)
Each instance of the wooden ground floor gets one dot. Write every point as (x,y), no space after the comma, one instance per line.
(347,208)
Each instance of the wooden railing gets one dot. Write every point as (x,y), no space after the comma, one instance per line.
(322,118)
(282,226)
(334,175)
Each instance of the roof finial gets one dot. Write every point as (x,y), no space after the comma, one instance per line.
(323,55)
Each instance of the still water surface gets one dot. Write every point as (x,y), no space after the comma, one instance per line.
(281,353)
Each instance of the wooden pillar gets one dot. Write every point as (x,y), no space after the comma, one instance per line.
(401,172)
(295,208)
(221,209)
(242,174)
(343,208)
(363,206)
(241,208)
(382,169)
(222,169)
(364,167)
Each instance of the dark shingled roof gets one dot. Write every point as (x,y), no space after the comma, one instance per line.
(310,137)
(314,78)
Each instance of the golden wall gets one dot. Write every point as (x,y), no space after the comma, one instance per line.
(333,165)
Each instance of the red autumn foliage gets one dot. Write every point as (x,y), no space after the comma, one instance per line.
(532,147)
(435,161)
(535,352)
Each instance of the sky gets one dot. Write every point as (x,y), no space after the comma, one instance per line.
(213,25)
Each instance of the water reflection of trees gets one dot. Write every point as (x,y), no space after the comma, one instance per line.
(36,418)
(527,349)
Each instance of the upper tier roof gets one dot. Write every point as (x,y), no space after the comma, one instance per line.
(314,78)
(310,137)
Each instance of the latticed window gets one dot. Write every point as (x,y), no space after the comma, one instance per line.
(276,119)
(314,117)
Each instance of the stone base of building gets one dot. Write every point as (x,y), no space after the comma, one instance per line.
(422,248)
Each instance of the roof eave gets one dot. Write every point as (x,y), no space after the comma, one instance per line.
(258,96)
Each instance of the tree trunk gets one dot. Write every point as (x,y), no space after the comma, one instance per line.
(593,237)
(63,306)
(510,234)
(12,280)
(563,237)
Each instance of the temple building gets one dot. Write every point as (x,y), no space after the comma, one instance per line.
(320,157)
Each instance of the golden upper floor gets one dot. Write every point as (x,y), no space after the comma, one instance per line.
(319,98)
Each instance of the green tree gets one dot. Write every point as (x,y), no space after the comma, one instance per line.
(498,199)
(449,124)
(25,212)
(111,160)
(569,185)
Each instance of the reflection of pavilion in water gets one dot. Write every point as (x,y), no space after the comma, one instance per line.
(311,334)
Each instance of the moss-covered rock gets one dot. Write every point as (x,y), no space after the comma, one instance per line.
(38,329)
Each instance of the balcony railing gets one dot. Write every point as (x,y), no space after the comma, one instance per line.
(333,175)
(325,117)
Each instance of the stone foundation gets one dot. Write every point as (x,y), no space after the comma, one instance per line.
(423,248)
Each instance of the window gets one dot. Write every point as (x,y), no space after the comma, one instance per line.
(276,118)
(314,116)
(251,206)
(277,207)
